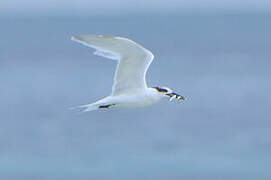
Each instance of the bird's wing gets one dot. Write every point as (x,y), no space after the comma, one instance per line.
(133,60)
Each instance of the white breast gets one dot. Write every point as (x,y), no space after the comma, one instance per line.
(138,100)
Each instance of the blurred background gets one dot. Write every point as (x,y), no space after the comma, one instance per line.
(215,53)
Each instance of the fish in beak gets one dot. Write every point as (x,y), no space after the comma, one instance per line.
(175,95)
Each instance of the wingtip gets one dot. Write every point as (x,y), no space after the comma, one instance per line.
(74,38)
(77,39)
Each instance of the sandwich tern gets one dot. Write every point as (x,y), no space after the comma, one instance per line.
(129,87)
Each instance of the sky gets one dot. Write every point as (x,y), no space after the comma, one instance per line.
(220,62)
(93,7)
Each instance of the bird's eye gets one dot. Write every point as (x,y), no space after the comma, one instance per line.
(161,89)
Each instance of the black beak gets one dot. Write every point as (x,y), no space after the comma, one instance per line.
(175,95)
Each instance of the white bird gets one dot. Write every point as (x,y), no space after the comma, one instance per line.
(129,88)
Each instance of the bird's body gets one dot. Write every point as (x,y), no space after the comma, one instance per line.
(129,88)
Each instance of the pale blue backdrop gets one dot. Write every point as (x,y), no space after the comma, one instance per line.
(219,60)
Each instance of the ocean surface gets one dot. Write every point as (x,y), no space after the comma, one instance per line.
(220,62)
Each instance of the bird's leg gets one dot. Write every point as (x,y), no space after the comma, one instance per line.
(106,106)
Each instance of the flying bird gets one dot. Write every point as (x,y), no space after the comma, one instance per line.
(129,89)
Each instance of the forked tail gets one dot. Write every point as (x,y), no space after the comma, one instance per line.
(85,108)
(92,107)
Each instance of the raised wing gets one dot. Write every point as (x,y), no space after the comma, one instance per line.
(133,60)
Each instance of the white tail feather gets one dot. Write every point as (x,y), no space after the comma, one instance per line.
(85,108)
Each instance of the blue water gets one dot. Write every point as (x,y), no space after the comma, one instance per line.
(221,62)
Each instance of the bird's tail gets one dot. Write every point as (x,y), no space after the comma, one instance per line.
(85,108)
(105,103)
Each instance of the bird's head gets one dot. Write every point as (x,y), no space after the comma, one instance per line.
(167,92)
